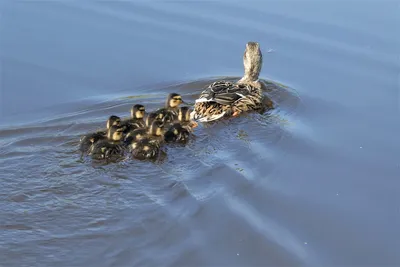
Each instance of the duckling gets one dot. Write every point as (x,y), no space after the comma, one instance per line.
(181,130)
(111,147)
(184,117)
(155,131)
(147,146)
(169,112)
(177,133)
(151,117)
(88,140)
(145,149)
(136,120)
(230,99)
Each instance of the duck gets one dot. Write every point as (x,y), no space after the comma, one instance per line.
(136,120)
(184,117)
(153,116)
(155,131)
(110,147)
(179,131)
(87,141)
(230,99)
(169,112)
(146,145)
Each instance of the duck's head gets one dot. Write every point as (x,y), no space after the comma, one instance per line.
(137,111)
(113,120)
(252,61)
(153,117)
(115,133)
(184,114)
(156,128)
(173,100)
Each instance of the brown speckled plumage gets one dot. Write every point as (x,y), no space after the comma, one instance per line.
(225,98)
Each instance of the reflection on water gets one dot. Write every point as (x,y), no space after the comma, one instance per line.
(313,182)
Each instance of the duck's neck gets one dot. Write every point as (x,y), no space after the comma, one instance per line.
(248,79)
(253,81)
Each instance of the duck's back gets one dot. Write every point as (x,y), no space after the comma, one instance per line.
(136,135)
(87,141)
(145,148)
(224,98)
(132,124)
(177,133)
(105,149)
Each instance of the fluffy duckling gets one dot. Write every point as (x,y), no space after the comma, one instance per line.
(147,146)
(184,117)
(230,99)
(111,147)
(180,131)
(88,140)
(155,131)
(169,113)
(136,120)
(151,117)
(145,149)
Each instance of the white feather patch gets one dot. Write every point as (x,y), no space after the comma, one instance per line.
(211,118)
(200,100)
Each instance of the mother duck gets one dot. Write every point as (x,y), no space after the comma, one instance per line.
(229,99)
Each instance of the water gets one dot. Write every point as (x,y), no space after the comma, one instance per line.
(313,183)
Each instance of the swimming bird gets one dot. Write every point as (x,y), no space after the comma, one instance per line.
(88,140)
(230,99)
(169,113)
(136,120)
(110,147)
(151,117)
(146,143)
(155,131)
(180,130)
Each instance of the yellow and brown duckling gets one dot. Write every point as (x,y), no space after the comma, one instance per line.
(146,145)
(184,117)
(230,99)
(136,120)
(110,147)
(169,113)
(155,131)
(151,117)
(87,141)
(179,131)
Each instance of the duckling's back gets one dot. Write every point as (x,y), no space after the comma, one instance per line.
(145,148)
(87,141)
(106,149)
(177,133)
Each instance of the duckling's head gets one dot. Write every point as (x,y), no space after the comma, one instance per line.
(137,111)
(173,100)
(184,114)
(113,120)
(115,133)
(252,61)
(153,117)
(156,128)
